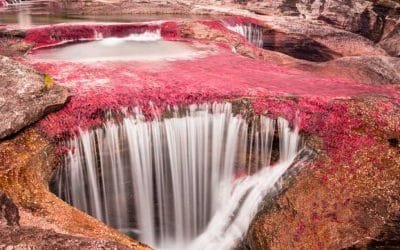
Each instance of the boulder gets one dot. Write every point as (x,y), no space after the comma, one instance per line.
(25,96)
(300,38)
(391,43)
(37,238)
(364,69)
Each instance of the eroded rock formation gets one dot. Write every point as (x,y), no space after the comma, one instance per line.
(27,163)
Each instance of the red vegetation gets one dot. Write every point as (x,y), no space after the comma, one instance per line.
(321,103)
(56,34)
(234,20)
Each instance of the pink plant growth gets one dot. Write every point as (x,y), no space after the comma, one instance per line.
(221,75)
(55,34)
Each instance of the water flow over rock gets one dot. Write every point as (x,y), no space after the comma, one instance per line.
(166,179)
(252,32)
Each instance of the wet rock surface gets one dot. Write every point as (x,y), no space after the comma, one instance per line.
(342,202)
(27,163)
(336,60)
(25,97)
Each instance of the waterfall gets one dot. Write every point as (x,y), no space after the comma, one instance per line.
(147,36)
(253,33)
(176,178)
(24,19)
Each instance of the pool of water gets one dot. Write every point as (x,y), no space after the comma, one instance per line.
(39,12)
(144,47)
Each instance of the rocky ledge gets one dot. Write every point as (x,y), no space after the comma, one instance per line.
(25,96)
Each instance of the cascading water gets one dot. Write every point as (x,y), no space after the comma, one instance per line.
(175,179)
(252,32)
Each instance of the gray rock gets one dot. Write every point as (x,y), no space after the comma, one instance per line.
(24,96)
(391,43)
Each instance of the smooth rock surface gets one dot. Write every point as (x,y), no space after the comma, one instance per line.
(24,96)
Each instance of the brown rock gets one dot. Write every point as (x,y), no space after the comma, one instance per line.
(36,238)
(391,43)
(314,39)
(8,210)
(338,206)
(366,69)
(25,97)
(27,163)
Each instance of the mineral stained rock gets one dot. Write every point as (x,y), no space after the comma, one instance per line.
(25,96)
(27,237)
(27,162)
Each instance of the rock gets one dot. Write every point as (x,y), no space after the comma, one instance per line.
(301,38)
(340,204)
(34,237)
(27,164)
(37,238)
(365,69)
(93,7)
(8,210)
(24,96)
(391,43)
(367,18)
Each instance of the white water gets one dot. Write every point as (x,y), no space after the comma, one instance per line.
(251,32)
(147,36)
(24,19)
(172,180)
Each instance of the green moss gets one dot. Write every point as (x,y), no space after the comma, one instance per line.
(48,82)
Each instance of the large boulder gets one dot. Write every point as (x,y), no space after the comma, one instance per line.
(314,40)
(25,96)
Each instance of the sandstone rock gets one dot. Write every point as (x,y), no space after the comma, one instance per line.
(367,18)
(391,43)
(365,69)
(27,163)
(13,236)
(24,96)
(8,210)
(93,7)
(36,238)
(340,205)
(310,37)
